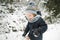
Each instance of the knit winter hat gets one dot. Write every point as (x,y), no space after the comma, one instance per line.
(31,11)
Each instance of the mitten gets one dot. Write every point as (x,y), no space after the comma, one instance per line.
(36,32)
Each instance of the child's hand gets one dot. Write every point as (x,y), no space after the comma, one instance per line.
(27,38)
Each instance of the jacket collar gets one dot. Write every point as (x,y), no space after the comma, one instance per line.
(34,19)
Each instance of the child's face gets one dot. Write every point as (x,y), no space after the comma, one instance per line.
(29,16)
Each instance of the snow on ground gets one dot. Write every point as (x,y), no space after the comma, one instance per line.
(53,32)
(12,36)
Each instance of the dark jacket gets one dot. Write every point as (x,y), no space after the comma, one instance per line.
(41,27)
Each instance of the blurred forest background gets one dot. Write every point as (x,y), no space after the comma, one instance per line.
(50,6)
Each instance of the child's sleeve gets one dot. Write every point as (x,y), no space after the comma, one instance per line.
(42,26)
(26,30)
